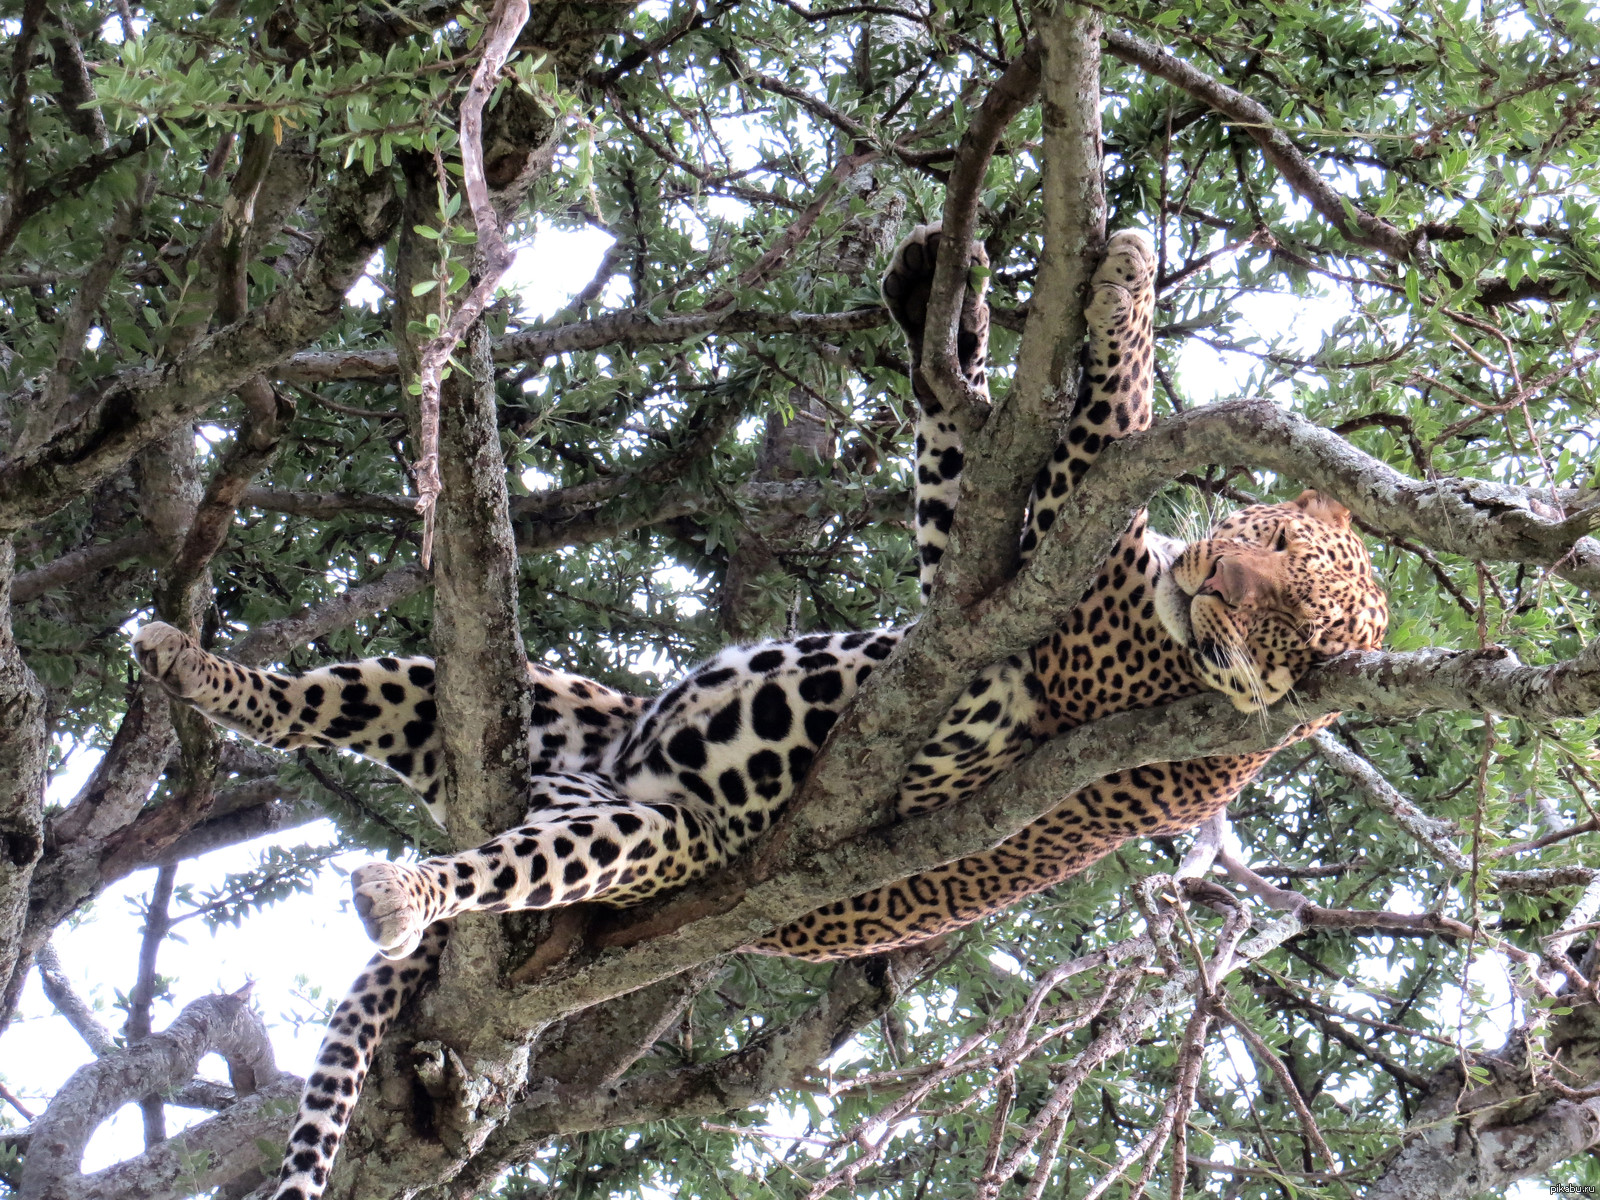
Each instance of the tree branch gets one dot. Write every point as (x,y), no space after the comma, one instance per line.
(107,424)
(1257,122)
(857,994)
(225,1025)
(631,327)
(58,990)
(24,746)
(1002,459)
(1011,93)
(81,563)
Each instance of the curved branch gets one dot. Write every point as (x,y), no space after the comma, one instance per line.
(1011,93)
(1257,122)
(225,1025)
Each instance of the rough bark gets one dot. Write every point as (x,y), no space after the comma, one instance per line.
(24,746)
(225,1025)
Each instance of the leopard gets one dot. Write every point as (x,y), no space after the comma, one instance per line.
(629,796)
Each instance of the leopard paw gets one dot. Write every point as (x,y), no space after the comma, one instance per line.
(388,898)
(171,657)
(908,282)
(1130,261)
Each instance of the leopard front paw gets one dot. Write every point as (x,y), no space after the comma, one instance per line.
(391,900)
(171,657)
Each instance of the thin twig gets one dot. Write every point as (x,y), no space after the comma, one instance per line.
(504,25)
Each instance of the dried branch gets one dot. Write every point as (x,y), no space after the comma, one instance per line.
(1268,1057)
(499,36)
(1435,835)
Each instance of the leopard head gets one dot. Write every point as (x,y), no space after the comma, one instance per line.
(1273,589)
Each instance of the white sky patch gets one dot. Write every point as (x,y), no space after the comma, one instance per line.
(99,952)
(558,264)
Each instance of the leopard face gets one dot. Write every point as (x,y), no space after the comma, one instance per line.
(1273,589)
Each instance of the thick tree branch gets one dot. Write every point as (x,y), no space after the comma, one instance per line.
(1257,122)
(157,921)
(858,993)
(24,747)
(1517,1118)
(1019,435)
(225,1025)
(186,580)
(1472,518)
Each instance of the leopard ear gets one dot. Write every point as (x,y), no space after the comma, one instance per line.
(1314,504)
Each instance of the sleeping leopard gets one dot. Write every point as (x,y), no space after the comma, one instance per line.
(629,797)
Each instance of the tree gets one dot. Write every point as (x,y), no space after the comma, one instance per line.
(709,442)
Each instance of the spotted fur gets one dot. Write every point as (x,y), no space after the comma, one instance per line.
(905,289)
(629,797)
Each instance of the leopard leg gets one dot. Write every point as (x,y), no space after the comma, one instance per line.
(379,708)
(1152,801)
(905,288)
(353,1037)
(583,842)
(982,734)
(1114,397)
